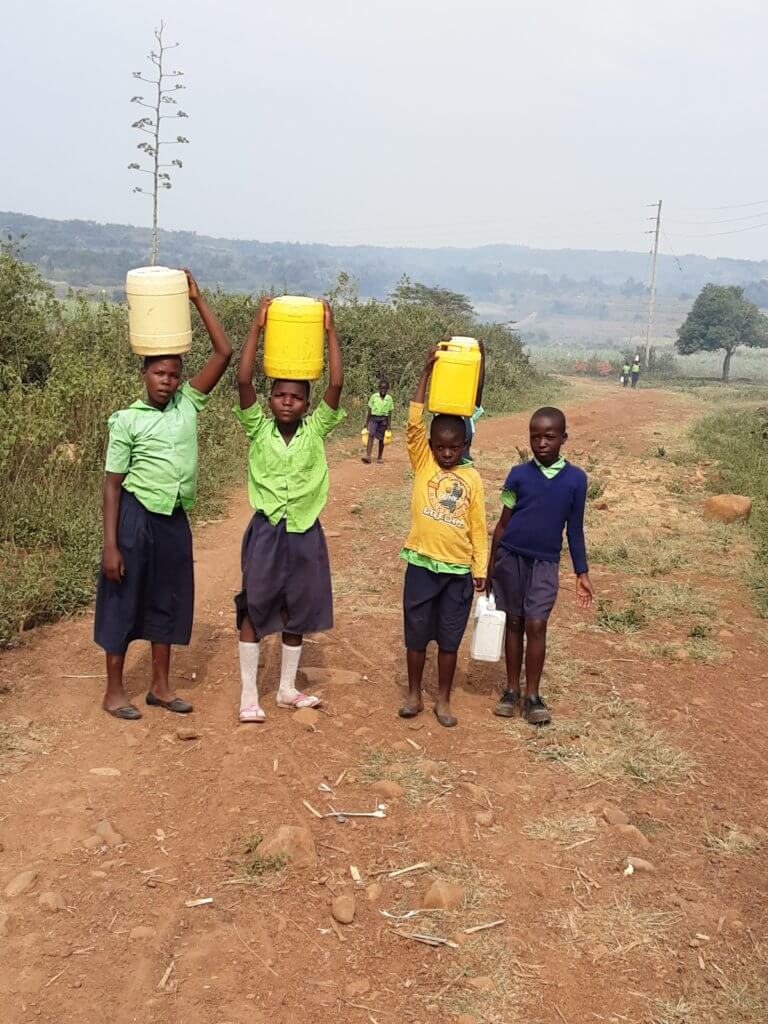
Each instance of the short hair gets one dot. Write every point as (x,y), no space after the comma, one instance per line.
(446,424)
(383,381)
(289,380)
(549,412)
(149,360)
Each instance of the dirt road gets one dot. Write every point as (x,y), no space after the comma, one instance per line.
(661,725)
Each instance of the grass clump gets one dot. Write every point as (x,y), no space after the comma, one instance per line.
(407,771)
(669,599)
(731,842)
(625,620)
(20,742)
(480,886)
(563,831)
(257,866)
(612,932)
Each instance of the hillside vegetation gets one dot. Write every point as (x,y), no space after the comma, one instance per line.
(65,365)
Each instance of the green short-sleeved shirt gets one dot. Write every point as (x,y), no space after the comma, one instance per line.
(288,481)
(156,449)
(433,564)
(509,498)
(381,406)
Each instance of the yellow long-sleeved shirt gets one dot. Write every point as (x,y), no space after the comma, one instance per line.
(447,506)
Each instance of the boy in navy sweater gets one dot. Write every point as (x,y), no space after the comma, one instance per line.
(539,498)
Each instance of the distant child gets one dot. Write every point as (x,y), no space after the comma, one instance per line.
(146,586)
(625,370)
(470,422)
(635,372)
(446,549)
(379,419)
(286,572)
(539,498)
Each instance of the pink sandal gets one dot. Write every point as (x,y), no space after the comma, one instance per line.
(252,713)
(299,700)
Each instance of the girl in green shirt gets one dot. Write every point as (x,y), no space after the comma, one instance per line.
(379,420)
(146,585)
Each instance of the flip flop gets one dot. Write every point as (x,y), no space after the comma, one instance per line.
(177,705)
(446,720)
(299,700)
(408,712)
(252,713)
(127,714)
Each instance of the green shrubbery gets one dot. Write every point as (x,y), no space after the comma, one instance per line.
(738,438)
(65,366)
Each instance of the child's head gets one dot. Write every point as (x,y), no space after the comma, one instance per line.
(162,377)
(383,386)
(548,434)
(289,400)
(446,439)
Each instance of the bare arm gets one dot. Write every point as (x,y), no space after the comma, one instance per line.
(420,394)
(210,375)
(332,394)
(481,381)
(498,533)
(245,388)
(112,560)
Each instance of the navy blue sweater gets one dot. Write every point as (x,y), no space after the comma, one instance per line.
(543,507)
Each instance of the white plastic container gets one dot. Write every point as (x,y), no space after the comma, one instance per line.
(158,311)
(487,641)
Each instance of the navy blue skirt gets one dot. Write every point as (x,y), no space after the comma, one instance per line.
(436,606)
(156,598)
(286,579)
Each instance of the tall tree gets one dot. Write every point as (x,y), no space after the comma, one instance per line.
(414,293)
(162,98)
(721,318)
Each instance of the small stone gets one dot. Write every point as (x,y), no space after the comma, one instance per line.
(357,988)
(7,923)
(428,768)
(294,842)
(728,508)
(141,932)
(374,892)
(388,789)
(482,984)
(20,884)
(614,815)
(308,717)
(92,842)
(131,740)
(363,730)
(52,901)
(106,772)
(356,510)
(736,926)
(484,818)
(443,895)
(187,734)
(98,874)
(638,864)
(343,909)
(105,831)
(601,506)
(401,747)
(632,835)
(477,793)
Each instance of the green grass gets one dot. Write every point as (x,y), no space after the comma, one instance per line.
(256,865)
(625,620)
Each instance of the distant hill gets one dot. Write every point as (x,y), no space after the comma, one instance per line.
(84,254)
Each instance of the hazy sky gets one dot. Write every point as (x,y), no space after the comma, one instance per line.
(418,122)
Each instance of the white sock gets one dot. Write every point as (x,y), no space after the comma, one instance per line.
(249,673)
(288,669)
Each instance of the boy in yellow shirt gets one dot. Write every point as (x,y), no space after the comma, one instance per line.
(446,549)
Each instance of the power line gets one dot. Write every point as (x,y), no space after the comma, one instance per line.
(736,231)
(734,206)
(669,243)
(726,220)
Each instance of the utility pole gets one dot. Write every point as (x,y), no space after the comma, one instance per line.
(652,296)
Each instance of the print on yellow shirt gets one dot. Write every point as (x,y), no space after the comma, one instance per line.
(448,499)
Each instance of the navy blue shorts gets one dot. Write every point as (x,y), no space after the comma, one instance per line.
(286,579)
(156,598)
(524,587)
(377,426)
(436,606)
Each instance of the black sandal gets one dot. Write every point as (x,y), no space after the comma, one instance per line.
(127,714)
(508,705)
(177,705)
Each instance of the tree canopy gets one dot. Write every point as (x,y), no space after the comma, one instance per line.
(414,293)
(722,318)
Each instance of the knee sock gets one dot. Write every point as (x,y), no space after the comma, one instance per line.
(249,672)
(288,669)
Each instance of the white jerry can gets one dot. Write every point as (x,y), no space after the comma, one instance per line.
(487,641)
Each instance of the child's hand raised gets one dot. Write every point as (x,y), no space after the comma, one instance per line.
(429,364)
(194,291)
(328,316)
(261,313)
(584,592)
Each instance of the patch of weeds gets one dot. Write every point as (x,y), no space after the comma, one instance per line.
(731,843)
(486,955)
(256,865)
(744,1003)
(675,487)
(596,489)
(562,831)
(660,451)
(19,743)
(406,771)
(705,651)
(700,632)
(627,620)
(679,1012)
(480,886)
(672,599)
(612,932)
